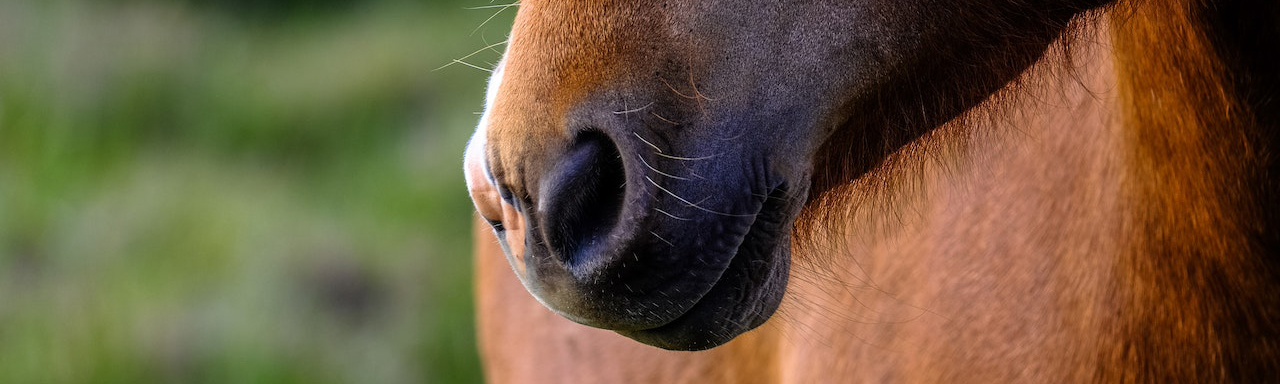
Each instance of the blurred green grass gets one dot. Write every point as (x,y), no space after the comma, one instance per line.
(227,191)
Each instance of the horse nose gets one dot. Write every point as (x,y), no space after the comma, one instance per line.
(583,200)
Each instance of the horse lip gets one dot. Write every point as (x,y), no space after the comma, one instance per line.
(760,231)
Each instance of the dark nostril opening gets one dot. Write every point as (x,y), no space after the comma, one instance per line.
(585,197)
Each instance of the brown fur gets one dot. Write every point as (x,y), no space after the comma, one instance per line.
(573,69)
(1115,224)
(1203,281)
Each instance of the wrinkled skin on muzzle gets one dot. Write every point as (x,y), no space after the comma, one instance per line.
(643,162)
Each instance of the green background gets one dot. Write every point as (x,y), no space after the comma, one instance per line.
(238,191)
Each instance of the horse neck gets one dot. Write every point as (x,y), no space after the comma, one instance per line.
(1202,298)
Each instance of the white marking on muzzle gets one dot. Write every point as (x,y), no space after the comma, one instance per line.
(481,183)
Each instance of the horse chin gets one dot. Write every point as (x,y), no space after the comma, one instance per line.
(746,295)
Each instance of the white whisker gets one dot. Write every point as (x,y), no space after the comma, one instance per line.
(647,142)
(735,137)
(633,110)
(691,204)
(455,61)
(646,164)
(472,65)
(495,14)
(669,214)
(495,6)
(687,158)
(660,238)
(655,114)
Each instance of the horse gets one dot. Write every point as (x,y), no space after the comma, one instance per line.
(798,191)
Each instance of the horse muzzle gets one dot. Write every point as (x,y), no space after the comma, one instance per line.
(675,244)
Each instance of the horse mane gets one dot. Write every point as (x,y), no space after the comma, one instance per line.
(1201,121)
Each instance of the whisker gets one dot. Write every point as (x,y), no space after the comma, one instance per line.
(687,158)
(655,114)
(495,14)
(660,238)
(633,110)
(735,137)
(490,46)
(646,164)
(472,65)
(482,38)
(673,89)
(691,204)
(696,92)
(494,6)
(647,142)
(669,214)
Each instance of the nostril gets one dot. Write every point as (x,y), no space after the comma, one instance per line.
(584,197)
